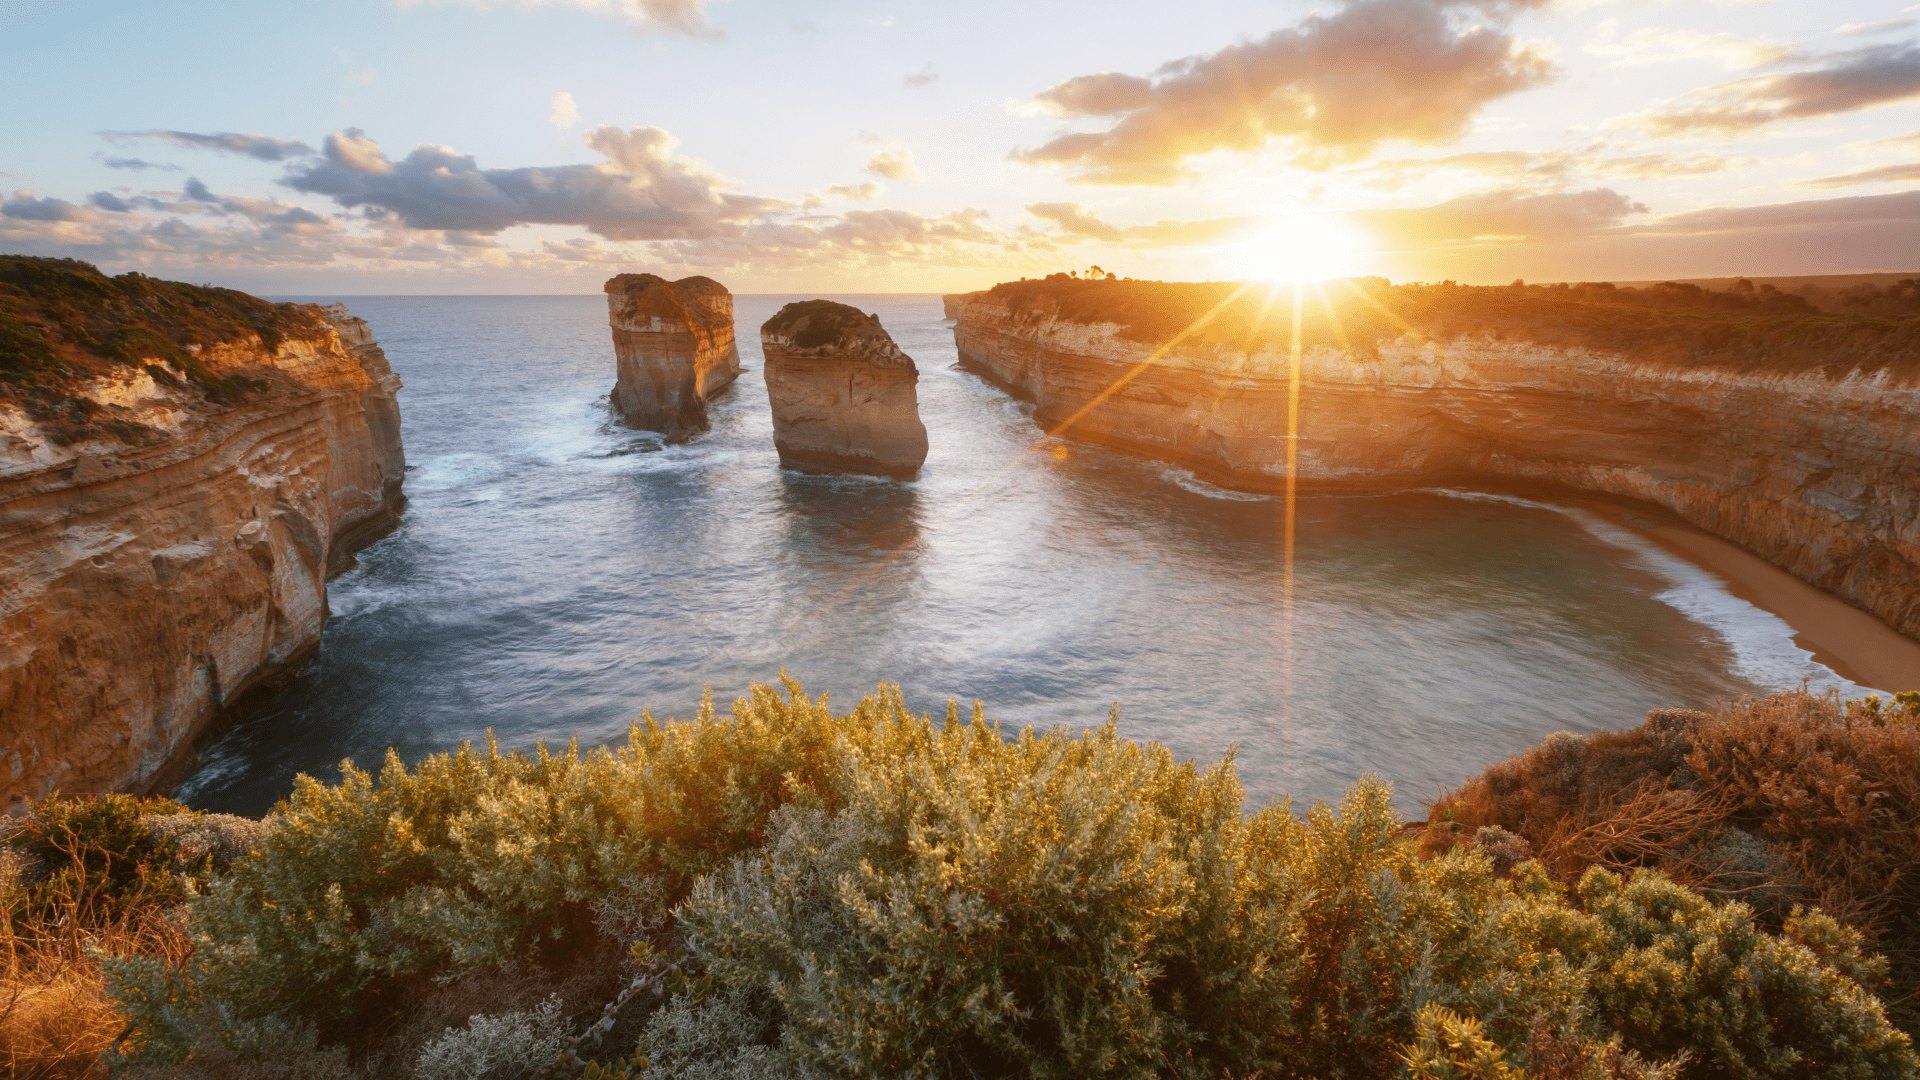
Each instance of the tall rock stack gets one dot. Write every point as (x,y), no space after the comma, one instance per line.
(675,349)
(844,396)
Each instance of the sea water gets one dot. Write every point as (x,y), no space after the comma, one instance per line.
(557,573)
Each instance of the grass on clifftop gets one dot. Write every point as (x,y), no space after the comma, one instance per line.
(785,891)
(62,322)
(1763,329)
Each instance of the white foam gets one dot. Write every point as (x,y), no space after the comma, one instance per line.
(452,471)
(1185,479)
(1764,652)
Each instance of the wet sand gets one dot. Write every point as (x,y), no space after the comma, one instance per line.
(1855,644)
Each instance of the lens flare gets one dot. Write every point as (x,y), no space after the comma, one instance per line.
(1300,247)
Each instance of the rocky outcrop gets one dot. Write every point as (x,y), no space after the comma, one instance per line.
(844,396)
(149,584)
(1799,440)
(952,303)
(674,345)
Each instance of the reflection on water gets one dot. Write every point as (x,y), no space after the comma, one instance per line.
(557,573)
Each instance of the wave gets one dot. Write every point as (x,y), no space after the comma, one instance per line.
(1185,479)
(1764,652)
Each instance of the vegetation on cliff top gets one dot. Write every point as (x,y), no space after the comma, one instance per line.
(1759,328)
(815,323)
(786,891)
(62,322)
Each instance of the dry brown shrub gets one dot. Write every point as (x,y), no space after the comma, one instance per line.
(55,1016)
(1838,791)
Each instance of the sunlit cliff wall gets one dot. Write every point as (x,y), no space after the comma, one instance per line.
(1801,448)
(674,349)
(146,586)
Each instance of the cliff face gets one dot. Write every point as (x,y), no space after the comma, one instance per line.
(148,583)
(1806,458)
(952,303)
(674,345)
(844,396)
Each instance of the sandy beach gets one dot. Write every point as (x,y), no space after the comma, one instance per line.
(1855,644)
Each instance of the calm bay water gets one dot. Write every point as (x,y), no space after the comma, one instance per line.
(557,573)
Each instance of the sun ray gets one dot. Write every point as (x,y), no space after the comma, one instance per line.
(1293,460)
(819,611)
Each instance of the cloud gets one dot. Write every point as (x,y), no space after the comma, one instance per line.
(894,164)
(1658,45)
(1550,168)
(260,147)
(1847,81)
(641,192)
(1334,87)
(1899,209)
(565,113)
(360,76)
(1077,220)
(25,207)
(1885,174)
(1502,215)
(669,16)
(926,76)
(1885,26)
(136,164)
(868,190)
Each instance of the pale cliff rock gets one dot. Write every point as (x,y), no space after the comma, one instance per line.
(147,586)
(844,396)
(1810,464)
(952,303)
(674,345)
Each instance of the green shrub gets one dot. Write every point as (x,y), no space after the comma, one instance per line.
(1672,971)
(1056,905)
(86,861)
(874,893)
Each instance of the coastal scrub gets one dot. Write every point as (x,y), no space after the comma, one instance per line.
(797,892)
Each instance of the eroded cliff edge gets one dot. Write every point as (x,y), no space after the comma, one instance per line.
(1792,433)
(674,347)
(181,472)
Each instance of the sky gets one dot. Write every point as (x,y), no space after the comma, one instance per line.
(296,147)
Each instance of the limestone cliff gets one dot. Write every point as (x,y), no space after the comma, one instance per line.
(181,471)
(844,396)
(1792,434)
(952,303)
(673,342)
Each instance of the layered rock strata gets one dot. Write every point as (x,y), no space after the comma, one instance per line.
(673,342)
(1804,455)
(844,396)
(147,588)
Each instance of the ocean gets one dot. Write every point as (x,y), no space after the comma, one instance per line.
(558,573)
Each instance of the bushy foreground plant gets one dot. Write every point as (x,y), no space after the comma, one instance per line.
(876,894)
(87,877)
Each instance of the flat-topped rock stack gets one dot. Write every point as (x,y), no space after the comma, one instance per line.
(844,396)
(675,349)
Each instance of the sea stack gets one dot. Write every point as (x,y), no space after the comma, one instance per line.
(675,349)
(844,395)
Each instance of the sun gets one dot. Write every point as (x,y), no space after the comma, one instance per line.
(1300,247)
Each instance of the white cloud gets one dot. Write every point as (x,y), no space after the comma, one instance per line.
(895,164)
(671,16)
(565,113)
(1659,45)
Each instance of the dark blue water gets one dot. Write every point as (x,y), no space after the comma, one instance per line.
(558,573)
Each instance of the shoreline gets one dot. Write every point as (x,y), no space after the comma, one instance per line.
(1855,644)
